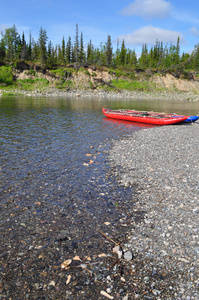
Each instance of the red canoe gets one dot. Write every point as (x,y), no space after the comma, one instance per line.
(144,117)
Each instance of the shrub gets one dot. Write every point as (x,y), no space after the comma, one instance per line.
(6,75)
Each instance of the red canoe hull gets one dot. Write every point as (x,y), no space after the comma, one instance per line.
(149,118)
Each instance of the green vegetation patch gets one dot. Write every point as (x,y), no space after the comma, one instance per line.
(62,72)
(6,75)
(31,84)
(62,85)
(117,72)
(131,85)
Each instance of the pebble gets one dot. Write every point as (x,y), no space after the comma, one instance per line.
(106,295)
(161,164)
(128,255)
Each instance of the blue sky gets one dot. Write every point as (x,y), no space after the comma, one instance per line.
(137,21)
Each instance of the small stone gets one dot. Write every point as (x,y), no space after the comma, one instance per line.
(106,295)
(66,263)
(117,251)
(107,223)
(128,256)
(52,283)
(102,255)
(76,257)
(163,252)
(68,279)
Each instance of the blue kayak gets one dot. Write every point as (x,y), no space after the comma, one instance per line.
(191,119)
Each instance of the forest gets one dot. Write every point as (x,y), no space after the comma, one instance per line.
(159,57)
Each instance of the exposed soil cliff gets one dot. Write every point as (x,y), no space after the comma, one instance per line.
(93,77)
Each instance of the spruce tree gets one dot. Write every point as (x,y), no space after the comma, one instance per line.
(63,51)
(109,51)
(30,47)
(123,53)
(68,50)
(2,48)
(24,50)
(76,45)
(42,46)
(89,52)
(81,52)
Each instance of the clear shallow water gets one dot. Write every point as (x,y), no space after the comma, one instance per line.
(52,149)
(58,195)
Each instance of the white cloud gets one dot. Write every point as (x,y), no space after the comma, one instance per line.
(149,34)
(148,9)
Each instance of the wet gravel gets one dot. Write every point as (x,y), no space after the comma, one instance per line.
(62,211)
(162,163)
(39,234)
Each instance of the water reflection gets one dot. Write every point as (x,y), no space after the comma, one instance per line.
(82,103)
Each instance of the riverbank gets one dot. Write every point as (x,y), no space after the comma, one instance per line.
(162,165)
(52,92)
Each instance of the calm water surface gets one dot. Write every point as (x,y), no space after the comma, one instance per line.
(59,198)
(52,149)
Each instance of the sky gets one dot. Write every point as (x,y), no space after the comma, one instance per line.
(138,22)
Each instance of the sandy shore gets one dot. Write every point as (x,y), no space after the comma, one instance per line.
(162,165)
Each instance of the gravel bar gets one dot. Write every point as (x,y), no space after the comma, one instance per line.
(160,95)
(162,164)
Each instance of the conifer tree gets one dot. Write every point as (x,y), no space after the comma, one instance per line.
(177,52)
(50,56)
(63,51)
(109,51)
(24,50)
(81,52)
(2,48)
(116,56)
(196,58)
(30,47)
(11,40)
(68,50)
(42,46)
(76,45)
(35,50)
(143,60)
(89,52)
(123,53)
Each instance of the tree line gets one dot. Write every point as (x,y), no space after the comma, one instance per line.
(158,57)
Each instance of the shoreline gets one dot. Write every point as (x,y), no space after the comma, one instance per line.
(161,164)
(162,95)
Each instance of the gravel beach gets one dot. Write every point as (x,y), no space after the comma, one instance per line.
(162,164)
(99,93)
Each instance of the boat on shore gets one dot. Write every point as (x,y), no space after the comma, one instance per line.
(154,118)
(191,119)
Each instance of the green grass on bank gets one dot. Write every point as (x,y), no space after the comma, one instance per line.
(133,85)
(31,84)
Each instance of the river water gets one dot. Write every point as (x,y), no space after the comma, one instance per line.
(53,149)
(56,184)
